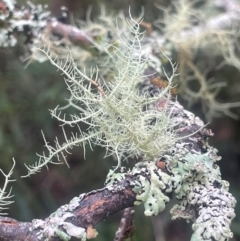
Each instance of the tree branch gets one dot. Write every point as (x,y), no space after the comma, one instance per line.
(84,211)
(188,170)
(126,226)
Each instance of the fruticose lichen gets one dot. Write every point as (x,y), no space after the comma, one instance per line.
(114,110)
(133,118)
(209,27)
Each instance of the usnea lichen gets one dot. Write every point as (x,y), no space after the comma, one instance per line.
(5,196)
(116,112)
(129,122)
(189,31)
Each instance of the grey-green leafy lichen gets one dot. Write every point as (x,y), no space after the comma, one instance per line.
(152,188)
(57,226)
(189,171)
(151,185)
(113,177)
(203,190)
(27,21)
(204,197)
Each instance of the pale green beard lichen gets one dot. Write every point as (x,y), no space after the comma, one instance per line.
(5,196)
(131,122)
(117,113)
(189,31)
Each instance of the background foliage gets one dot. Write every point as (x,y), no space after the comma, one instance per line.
(27,94)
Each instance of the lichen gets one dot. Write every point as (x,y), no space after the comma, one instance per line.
(204,197)
(151,187)
(56,224)
(26,21)
(114,177)
(129,122)
(190,172)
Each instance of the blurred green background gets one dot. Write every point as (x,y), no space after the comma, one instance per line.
(26,95)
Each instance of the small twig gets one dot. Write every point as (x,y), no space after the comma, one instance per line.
(126,226)
(147,26)
(70,34)
(97,86)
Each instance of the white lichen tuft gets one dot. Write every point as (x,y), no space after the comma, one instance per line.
(5,196)
(190,31)
(117,113)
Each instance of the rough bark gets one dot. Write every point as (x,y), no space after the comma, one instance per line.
(94,207)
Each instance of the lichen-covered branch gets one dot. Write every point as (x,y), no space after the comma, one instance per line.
(126,226)
(128,104)
(75,219)
(189,172)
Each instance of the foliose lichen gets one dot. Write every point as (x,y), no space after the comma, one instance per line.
(204,197)
(151,187)
(190,172)
(56,224)
(25,21)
